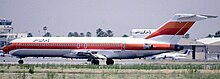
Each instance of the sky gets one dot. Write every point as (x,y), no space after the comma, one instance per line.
(120,16)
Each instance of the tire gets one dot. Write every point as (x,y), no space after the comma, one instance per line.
(109,62)
(95,62)
(20,62)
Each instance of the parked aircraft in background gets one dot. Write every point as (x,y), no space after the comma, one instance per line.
(1,53)
(174,56)
(162,40)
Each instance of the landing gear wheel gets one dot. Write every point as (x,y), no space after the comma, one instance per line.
(95,62)
(165,57)
(20,62)
(109,62)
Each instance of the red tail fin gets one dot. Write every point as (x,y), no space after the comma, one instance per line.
(172,31)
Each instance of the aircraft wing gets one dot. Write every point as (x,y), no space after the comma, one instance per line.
(85,54)
(176,58)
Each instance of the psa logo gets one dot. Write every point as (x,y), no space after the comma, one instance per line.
(41,40)
(143,32)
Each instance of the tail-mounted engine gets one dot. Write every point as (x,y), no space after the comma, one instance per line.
(178,47)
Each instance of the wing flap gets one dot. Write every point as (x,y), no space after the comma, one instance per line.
(85,54)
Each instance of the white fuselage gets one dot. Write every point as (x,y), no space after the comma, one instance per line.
(109,47)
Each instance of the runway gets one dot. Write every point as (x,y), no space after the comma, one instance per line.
(47,60)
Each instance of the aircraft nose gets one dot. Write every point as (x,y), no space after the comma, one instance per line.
(6,49)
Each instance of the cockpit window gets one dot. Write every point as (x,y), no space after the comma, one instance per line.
(9,43)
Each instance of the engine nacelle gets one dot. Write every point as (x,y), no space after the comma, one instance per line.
(178,48)
(148,46)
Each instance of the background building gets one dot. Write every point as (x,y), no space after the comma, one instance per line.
(213,47)
(6,32)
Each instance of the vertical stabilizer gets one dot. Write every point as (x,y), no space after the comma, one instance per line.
(176,27)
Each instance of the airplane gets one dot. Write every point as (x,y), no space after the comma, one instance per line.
(174,56)
(162,40)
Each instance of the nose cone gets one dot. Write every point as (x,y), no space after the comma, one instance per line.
(6,49)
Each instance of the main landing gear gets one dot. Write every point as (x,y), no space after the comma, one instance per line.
(95,62)
(108,62)
(20,61)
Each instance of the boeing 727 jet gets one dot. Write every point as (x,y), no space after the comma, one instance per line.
(162,40)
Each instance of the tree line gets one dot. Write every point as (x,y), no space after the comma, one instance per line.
(99,33)
(217,34)
(108,33)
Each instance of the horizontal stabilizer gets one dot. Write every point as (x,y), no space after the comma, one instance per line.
(209,16)
(187,16)
(191,17)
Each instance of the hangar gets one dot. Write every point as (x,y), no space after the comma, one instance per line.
(206,48)
(199,48)
(213,47)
